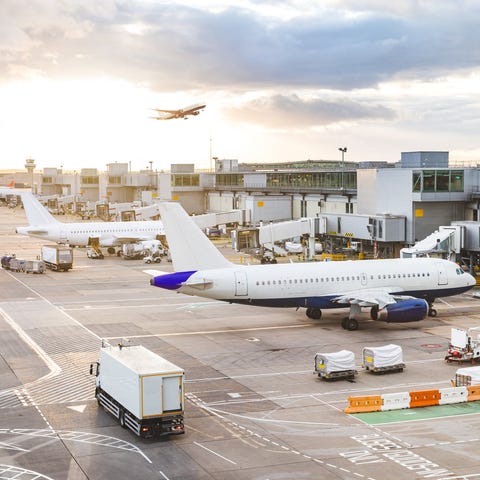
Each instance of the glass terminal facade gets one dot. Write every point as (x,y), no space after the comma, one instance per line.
(437,181)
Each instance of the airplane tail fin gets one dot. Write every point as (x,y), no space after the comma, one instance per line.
(189,246)
(36,213)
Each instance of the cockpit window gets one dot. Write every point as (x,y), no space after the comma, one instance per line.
(459,271)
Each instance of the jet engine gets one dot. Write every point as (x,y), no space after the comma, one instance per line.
(411,310)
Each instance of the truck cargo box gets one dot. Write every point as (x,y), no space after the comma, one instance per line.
(335,364)
(383,359)
(143,390)
(57,257)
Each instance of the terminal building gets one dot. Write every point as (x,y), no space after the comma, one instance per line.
(379,204)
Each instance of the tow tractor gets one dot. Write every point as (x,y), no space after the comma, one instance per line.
(464,345)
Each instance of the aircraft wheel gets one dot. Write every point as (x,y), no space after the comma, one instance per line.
(314,313)
(432,312)
(351,324)
(374,313)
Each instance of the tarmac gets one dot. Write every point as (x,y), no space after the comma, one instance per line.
(254,407)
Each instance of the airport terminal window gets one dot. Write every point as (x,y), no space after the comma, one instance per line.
(89,180)
(114,180)
(188,180)
(429,180)
(443,180)
(456,180)
(417,182)
(438,181)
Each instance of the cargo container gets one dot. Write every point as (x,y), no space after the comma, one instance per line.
(140,388)
(57,257)
(334,365)
(387,358)
(464,377)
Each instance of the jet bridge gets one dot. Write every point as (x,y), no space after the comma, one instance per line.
(265,236)
(447,241)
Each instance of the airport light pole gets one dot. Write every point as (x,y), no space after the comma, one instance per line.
(343,150)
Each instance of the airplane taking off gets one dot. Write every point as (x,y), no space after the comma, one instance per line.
(181,113)
(109,234)
(397,290)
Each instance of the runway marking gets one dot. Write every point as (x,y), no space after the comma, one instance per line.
(198,402)
(11,471)
(51,365)
(82,437)
(215,453)
(210,332)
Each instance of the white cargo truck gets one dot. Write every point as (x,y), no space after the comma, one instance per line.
(140,388)
(335,365)
(57,257)
(386,358)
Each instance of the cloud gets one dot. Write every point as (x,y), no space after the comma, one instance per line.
(175,47)
(279,111)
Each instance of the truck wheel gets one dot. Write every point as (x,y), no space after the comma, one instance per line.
(158,260)
(121,418)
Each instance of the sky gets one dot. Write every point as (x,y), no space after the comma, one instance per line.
(283,80)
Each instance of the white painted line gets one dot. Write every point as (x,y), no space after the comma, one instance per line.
(215,453)
(210,332)
(163,475)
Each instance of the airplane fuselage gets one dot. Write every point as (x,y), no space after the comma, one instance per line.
(315,285)
(109,234)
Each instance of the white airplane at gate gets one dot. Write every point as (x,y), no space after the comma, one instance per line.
(397,290)
(109,234)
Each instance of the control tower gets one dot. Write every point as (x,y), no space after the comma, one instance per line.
(30,166)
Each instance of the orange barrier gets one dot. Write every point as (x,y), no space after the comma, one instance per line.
(370,403)
(473,393)
(424,398)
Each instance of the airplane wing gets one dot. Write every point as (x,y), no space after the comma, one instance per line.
(166,111)
(371,297)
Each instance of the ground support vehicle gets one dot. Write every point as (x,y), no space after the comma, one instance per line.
(34,266)
(6,261)
(387,358)
(154,257)
(464,345)
(140,388)
(57,257)
(17,264)
(464,377)
(95,253)
(336,365)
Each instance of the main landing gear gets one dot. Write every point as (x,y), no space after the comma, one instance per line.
(314,313)
(431,311)
(348,323)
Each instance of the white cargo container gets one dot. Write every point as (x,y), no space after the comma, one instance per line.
(386,358)
(464,377)
(140,388)
(57,257)
(335,365)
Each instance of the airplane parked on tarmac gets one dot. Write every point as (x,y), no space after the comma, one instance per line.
(180,113)
(108,234)
(396,290)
